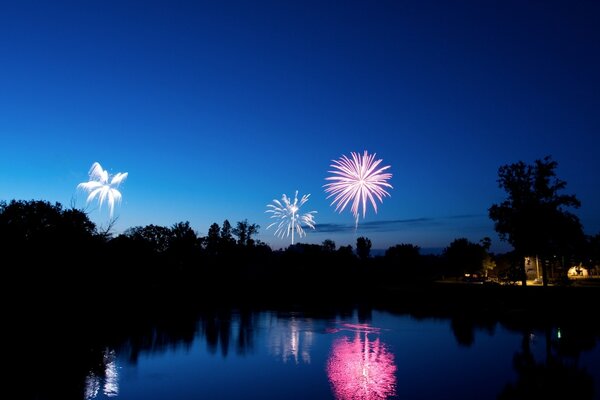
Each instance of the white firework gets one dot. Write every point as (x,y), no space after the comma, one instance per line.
(100,187)
(289,220)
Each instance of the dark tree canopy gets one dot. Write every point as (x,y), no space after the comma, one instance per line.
(464,257)
(534,217)
(405,255)
(244,232)
(328,245)
(363,247)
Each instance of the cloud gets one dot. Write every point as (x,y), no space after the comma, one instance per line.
(333,228)
(391,225)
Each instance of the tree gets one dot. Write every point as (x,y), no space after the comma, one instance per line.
(244,232)
(212,239)
(345,252)
(465,257)
(363,247)
(157,238)
(227,242)
(183,243)
(226,234)
(328,246)
(44,242)
(533,218)
(406,255)
(405,260)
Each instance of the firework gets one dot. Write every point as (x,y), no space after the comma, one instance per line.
(289,220)
(99,186)
(357,180)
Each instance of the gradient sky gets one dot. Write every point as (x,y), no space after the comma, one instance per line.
(217,108)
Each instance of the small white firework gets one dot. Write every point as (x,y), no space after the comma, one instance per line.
(288,218)
(99,186)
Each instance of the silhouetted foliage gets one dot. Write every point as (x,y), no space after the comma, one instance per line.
(405,262)
(363,247)
(227,241)
(533,218)
(328,245)
(244,232)
(47,244)
(404,254)
(213,240)
(155,237)
(464,257)
(346,251)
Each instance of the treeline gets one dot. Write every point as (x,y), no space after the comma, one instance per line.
(47,248)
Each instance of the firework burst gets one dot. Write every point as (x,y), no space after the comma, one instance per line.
(289,220)
(358,180)
(99,186)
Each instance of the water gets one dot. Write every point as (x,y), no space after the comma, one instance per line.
(353,354)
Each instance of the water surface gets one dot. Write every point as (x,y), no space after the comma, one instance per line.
(354,354)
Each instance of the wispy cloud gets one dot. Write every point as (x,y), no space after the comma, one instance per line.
(392,225)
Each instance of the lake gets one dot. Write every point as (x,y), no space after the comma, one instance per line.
(354,353)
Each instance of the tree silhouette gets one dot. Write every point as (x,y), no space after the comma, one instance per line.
(406,254)
(244,232)
(156,237)
(363,247)
(328,245)
(183,244)
(227,242)
(212,240)
(404,260)
(464,257)
(533,218)
(47,244)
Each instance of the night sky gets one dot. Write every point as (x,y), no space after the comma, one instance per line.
(217,108)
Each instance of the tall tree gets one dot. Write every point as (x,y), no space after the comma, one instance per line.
(183,243)
(227,242)
(212,239)
(244,232)
(363,247)
(533,218)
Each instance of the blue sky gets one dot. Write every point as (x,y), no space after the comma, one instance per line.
(217,108)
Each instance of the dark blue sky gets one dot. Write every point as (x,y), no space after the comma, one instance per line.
(217,108)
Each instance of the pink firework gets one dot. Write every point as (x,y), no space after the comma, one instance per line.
(357,180)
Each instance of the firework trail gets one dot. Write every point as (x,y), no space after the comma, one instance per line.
(288,218)
(99,186)
(357,180)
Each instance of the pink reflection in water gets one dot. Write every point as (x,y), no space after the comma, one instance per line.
(361,369)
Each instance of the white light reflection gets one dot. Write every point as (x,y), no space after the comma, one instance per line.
(291,339)
(110,378)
